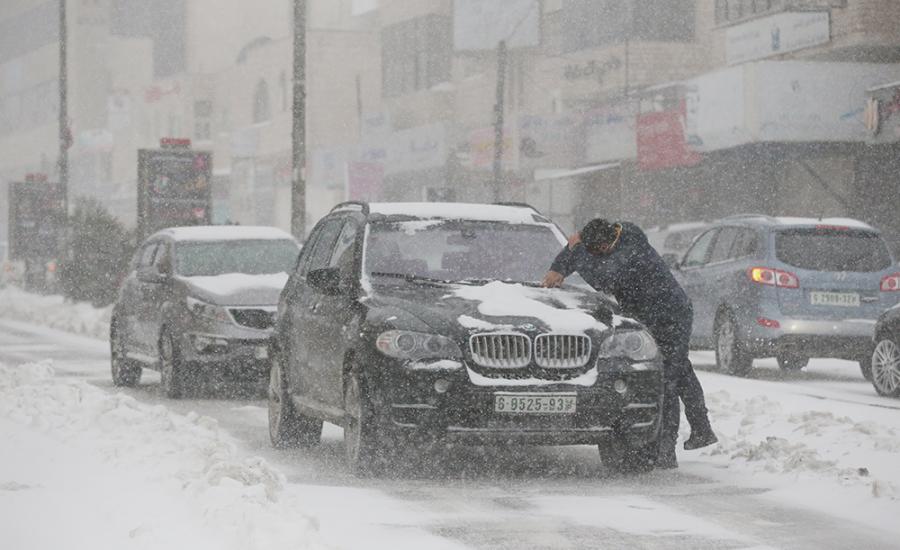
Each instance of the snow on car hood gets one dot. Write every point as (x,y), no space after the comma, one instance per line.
(237,288)
(499,299)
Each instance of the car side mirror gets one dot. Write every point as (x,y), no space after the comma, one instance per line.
(671,261)
(326,280)
(150,274)
(164,267)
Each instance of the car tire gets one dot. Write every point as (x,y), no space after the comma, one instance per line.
(173,374)
(791,362)
(125,373)
(366,443)
(886,367)
(731,356)
(288,428)
(622,457)
(865,366)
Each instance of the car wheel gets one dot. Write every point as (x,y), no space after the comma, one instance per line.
(623,458)
(886,368)
(366,444)
(288,428)
(791,362)
(125,372)
(172,372)
(731,357)
(865,366)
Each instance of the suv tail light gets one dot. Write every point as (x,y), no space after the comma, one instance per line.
(774,277)
(890,283)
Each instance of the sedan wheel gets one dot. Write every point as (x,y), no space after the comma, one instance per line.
(886,368)
(730,354)
(124,372)
(171,372)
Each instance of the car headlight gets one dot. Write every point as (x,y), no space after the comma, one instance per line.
(404,344)
(636,345)
(208,311)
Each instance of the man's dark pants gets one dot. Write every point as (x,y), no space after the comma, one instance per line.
(673,340)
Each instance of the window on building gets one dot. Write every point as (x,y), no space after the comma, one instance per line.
(416,54)
(262,111)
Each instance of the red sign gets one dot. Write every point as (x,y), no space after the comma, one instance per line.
(364,181)
(661,143)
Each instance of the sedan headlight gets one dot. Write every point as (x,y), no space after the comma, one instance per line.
(208,311)
(404,344)
(636,345)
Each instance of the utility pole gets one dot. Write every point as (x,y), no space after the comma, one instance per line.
(497,181)
(298,183)
(64,137)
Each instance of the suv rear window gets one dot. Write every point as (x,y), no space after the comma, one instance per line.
(832,250)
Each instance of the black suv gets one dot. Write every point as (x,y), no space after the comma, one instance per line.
(414,322)
(200,302)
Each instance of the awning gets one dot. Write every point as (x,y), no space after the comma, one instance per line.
(559,173)
(884,87)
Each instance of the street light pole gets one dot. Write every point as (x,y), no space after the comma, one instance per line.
(497,181)
(298,151)
(64,136)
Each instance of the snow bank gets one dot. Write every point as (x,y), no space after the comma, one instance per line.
(55,312)
(126,474)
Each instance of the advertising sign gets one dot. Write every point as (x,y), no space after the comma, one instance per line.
(173,189)
(36,220)
(609,133)
(661,140)
(547,140)
(775,35)
(482,24)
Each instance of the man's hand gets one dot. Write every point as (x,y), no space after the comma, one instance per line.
(552,280)
(573,240)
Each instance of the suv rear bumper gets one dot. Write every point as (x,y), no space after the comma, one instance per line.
(842,339)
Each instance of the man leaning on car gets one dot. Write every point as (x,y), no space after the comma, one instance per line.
(617,259)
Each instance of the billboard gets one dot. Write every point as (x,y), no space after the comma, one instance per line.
(36,220)
(173,189)
(776,35)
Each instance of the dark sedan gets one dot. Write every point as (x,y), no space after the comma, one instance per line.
(408,323)
(200,303)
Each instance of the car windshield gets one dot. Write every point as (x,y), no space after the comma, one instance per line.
(253,257)
(461,250)
(832,250)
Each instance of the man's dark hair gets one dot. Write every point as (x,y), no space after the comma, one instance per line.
(598,231)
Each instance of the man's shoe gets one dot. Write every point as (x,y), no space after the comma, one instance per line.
(699,439)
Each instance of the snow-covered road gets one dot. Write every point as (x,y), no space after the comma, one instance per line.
(804,462)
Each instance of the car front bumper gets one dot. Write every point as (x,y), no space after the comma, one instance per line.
(465,413)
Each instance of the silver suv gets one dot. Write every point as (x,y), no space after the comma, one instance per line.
(792,288)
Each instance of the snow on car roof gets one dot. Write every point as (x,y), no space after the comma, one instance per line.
(840,222)
(456,210)
(224,233)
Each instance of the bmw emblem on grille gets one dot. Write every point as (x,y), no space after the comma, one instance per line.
(528,327)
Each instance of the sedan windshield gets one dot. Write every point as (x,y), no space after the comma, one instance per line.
(461,250)
(253,257)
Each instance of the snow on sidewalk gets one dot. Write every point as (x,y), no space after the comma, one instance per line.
(834,455)
(55,312)
(82,468)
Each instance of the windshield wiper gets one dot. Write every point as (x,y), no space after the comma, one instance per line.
(410,277)
(475,281)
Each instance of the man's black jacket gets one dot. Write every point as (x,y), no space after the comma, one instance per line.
(636,275)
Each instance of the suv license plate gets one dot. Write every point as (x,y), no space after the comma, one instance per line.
(846,299)
(534,403)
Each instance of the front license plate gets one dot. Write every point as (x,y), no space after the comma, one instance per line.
(534,403)
(845,299)
(262,352)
